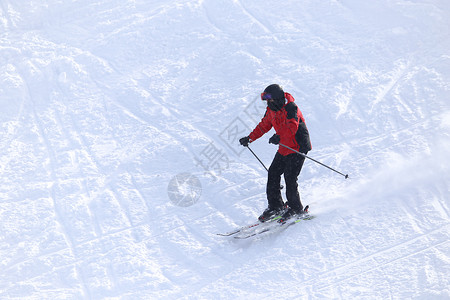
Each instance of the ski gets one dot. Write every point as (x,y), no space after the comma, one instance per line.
(243,228)
(261,227)
(276,226)
(256,232)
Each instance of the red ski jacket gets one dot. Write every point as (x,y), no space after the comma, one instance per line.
(289,124)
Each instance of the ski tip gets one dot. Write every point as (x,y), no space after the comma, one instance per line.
(227,233)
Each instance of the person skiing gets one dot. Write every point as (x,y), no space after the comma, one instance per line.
(286,118)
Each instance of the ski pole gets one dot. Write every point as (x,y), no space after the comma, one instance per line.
(281,186)
(257,158)
(345,175)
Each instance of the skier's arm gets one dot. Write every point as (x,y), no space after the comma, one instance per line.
(264,126)
(291,124)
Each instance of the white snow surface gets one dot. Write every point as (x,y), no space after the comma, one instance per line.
(107,105)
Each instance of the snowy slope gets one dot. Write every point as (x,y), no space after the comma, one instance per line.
(119,157)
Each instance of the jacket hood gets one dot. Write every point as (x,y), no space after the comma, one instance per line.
(289,98)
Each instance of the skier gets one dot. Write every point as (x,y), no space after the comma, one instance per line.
(286,118)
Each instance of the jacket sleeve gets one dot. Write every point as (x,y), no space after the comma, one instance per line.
(302,135)
(264,126)
(291,123)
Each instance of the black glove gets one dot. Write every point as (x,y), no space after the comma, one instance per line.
(244,141)
(275,139)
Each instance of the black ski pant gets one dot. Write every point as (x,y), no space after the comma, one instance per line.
(289,165)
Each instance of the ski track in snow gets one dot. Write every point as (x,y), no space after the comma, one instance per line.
(103,103)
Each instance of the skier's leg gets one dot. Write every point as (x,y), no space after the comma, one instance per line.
(294,164)
(273,182)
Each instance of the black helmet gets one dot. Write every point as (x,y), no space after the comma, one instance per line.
(275,91)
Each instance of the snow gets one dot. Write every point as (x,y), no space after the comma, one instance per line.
(120,161)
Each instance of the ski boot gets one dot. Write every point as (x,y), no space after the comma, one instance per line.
(270,212)
(290,212)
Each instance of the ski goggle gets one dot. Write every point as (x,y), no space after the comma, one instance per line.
(266,96)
